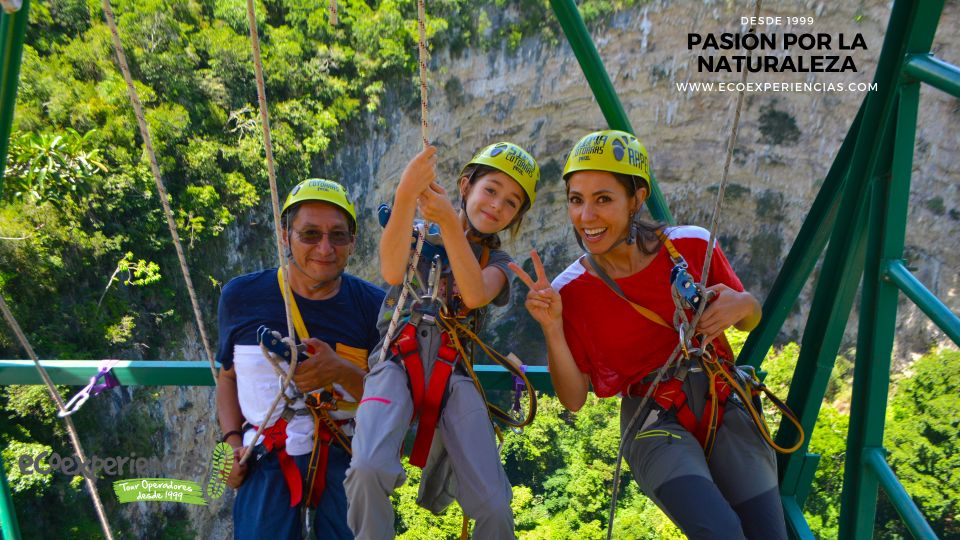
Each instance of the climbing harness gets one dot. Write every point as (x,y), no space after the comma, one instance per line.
(319,404)
(93,388)
(430,309)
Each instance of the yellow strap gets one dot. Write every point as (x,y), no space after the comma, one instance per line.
(671,249)
(294,310)
(648,314)
(350,353)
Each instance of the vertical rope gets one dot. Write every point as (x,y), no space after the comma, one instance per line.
(71,429)
(424,128)
(424,135)
(158,180)
(703,278)
(333,13)
(287,292)
(715,222)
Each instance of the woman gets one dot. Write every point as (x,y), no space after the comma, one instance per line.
(607,323)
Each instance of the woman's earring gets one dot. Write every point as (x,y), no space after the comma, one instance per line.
(634,228)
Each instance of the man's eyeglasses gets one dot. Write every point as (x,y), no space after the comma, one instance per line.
(337,238)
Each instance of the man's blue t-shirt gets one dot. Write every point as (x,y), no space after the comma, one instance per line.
(251,300)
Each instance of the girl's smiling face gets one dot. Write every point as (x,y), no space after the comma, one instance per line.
(492,201)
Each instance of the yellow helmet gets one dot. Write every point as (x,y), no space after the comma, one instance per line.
(513,161)
(318,189)
(609,150)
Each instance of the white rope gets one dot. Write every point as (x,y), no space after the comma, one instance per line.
(404,291)
(161,190)
(424,134)
(726,167)
(422,47)
(71,429)
(287,292)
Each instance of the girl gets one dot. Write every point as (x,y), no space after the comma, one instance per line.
(605,322)
(421,375)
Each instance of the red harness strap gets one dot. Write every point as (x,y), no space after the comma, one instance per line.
(321,455)
(669,395)
(425,403)
(275,439)
(318,460)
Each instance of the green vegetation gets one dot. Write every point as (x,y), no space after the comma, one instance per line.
(562,465)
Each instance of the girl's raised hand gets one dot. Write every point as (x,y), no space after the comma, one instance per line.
(543,302)
(419,173)
(436,206)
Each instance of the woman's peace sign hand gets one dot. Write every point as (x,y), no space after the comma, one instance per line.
(543,302)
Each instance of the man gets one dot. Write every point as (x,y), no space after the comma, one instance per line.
(299,459)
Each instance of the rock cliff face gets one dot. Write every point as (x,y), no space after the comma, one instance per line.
(537,96)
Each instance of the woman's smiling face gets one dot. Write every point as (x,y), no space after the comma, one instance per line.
(600,208)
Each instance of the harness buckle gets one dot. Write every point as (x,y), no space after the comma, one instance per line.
(425,310)
(324,400)
(688,289)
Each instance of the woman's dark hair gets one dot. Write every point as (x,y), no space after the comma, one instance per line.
(474,172)
(647,239)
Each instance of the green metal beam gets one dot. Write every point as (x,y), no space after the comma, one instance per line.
(875,461)
(128,372)
(935,72)
(939,313)
(197,373)
(803,255)
(871,379)
(582,44)
(13,27)
(839,277)
(796,523)
(912,26)
(8,516)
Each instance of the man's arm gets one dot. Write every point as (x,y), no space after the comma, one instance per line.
(231,422)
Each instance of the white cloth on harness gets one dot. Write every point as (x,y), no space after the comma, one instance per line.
(257,386)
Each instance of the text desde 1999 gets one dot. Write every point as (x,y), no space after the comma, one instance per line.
(775,21)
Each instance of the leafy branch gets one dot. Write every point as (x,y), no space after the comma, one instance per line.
(139,274)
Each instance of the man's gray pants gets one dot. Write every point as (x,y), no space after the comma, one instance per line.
(732,496)
(464,461)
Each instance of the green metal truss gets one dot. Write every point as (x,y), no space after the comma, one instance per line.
(863,208)
(859,216)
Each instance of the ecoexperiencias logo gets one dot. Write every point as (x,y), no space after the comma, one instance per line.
(137,489)
(50,462)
